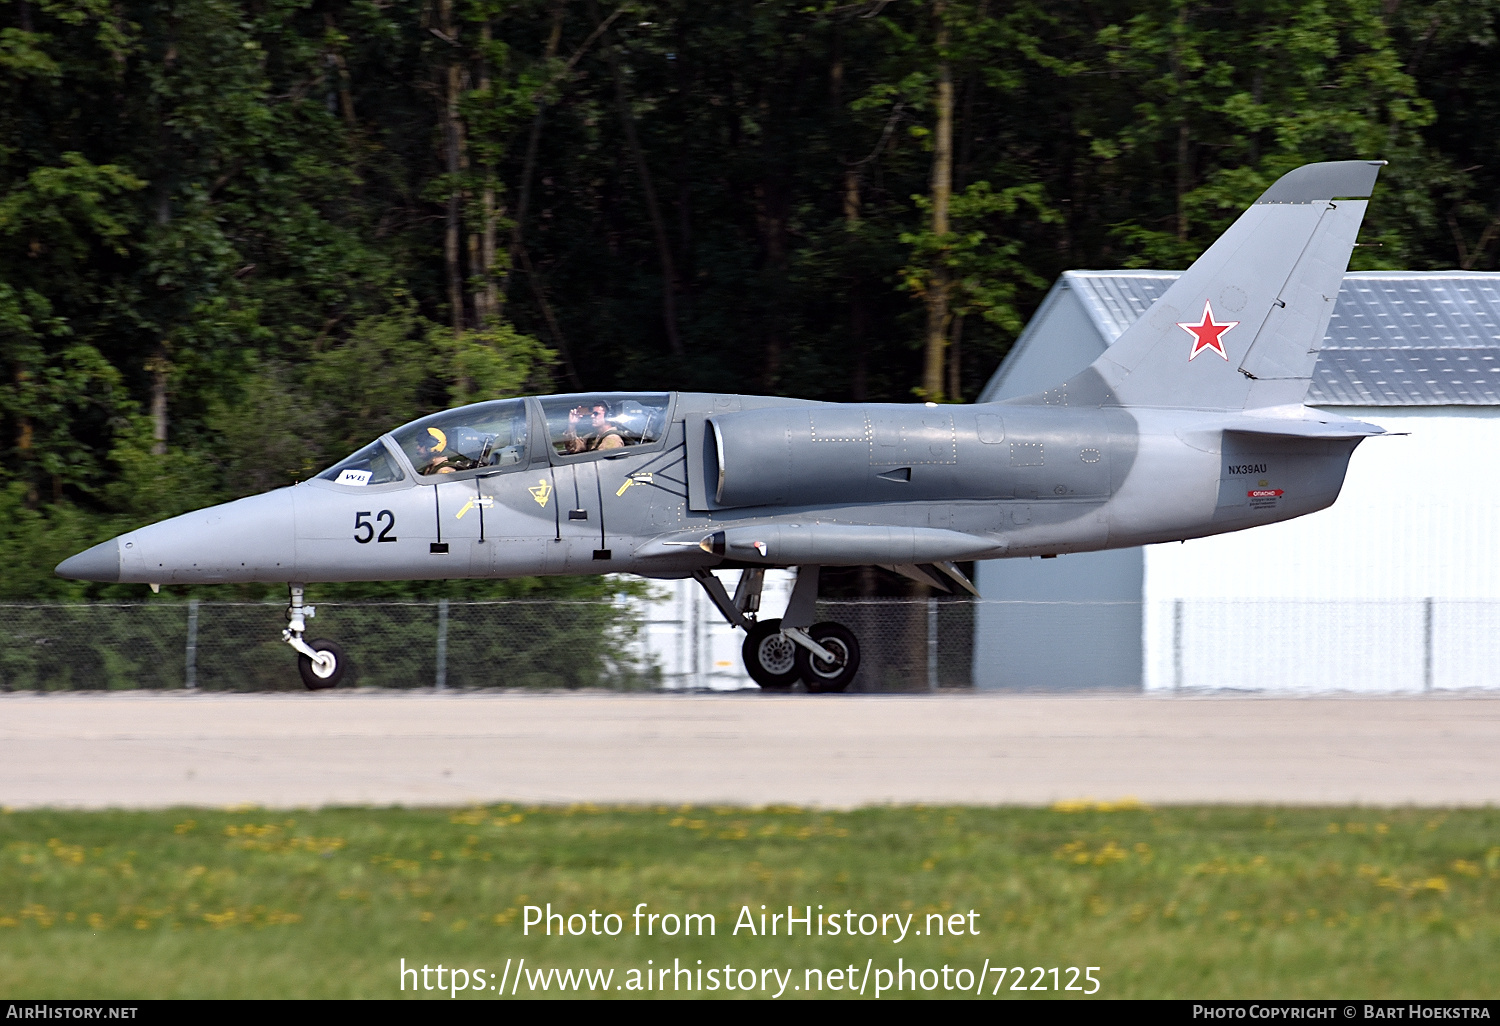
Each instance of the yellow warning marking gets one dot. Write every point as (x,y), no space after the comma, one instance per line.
(641,478)
(541,492)
(481,502)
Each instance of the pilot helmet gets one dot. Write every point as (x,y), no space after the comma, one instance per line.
(439,438)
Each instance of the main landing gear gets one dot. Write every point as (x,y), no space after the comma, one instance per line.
(322,663)
(780,652)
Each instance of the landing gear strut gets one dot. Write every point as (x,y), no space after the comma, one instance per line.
(322,664)
(780,652)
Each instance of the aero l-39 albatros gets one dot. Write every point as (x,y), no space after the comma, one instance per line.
(1191,424)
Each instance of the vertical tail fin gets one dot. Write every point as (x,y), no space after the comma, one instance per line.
(1241,328)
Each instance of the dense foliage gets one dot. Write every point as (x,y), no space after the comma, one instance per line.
(239,238)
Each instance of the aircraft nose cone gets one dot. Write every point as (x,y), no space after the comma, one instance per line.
(100,563)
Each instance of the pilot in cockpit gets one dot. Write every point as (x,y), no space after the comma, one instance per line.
(590,430)
(433,455)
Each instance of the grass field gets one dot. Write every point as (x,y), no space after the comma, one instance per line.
(1178,902)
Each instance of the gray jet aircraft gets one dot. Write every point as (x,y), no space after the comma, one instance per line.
(1191,424)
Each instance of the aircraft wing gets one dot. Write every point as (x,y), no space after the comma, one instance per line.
(832,544)
(942,575)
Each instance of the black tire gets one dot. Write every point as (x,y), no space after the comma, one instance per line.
(822,677)
(313,676)
(770,656)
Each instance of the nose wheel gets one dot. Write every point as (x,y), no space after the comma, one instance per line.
(325,668)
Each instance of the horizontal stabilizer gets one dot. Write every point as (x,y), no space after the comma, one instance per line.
(1340,427)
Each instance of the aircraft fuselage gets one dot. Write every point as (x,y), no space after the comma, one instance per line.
(745,481)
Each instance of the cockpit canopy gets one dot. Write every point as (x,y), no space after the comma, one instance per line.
(494,435)
(372,465)
(593,423)
(471,437)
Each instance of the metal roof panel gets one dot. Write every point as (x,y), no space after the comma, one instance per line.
(1396,338)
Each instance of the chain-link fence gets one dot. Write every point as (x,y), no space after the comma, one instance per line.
(229,646)
(233,646)
(908,645)
(1213,644)
(1373,645)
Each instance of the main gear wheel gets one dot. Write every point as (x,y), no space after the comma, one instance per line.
(822,675)
(770,656)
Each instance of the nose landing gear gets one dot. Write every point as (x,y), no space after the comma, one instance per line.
(322,664)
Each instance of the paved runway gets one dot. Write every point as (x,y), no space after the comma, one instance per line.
(154,750)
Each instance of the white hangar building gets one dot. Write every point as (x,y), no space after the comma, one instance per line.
(1396,587)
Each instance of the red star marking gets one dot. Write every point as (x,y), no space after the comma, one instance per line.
(1208,334)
